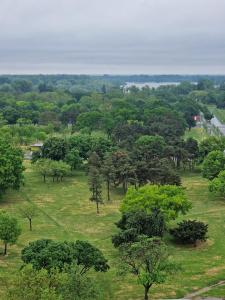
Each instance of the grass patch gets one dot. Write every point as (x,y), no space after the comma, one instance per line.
(65,213)
(219,113)
(196,133)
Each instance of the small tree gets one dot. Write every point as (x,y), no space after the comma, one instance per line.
(134,224)
(35,284)
(148,260)
(29,212)
(108,172)
(58,170)
(218,184)
(9,230)
(73,159)
(189,232)
(42,166)
(79,286)
(95,184)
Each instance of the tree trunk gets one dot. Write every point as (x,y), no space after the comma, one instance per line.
(5,249)
(146,292)
(44,177)
(30,223)
(97,207)
(108,191)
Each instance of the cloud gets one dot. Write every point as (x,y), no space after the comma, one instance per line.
(108,36)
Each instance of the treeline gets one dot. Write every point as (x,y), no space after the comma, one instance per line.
(29,114)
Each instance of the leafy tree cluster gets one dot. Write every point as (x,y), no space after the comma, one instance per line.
(57,170)
(11,166)
(50,254)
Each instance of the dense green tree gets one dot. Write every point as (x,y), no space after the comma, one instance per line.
(42,166)
(22,86)
(54,148)
(150,147)
(73,158)
(190,231)
(77,286)
(210,144)
(9,230)
(213,164)
(124,169)
(156,171)
(11,166)
(218,184)
(29,283)
(134,224)
(169,199)
(55,169)
(91,120)
(50,254)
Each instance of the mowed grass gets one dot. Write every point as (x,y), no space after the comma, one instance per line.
(65,213)
(219,113)
(196,133)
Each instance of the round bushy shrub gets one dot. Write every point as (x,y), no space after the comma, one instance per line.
(190,231)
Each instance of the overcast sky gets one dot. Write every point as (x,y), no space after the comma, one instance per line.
(112,36)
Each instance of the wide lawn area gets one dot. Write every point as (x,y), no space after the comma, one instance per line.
(65,213)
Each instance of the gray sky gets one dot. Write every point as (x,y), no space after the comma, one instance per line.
(112,36)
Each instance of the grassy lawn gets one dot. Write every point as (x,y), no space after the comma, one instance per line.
(197,133)
(65,213)
(219,113)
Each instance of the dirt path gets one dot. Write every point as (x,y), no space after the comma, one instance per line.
(204,290)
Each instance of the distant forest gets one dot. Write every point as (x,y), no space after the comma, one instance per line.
(92,83)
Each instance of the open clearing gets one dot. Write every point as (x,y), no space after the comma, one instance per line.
(65,213)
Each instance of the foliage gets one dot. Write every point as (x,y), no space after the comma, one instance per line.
(11,166)
(55,169)
(9,230)
(29,212)
(189,232)
(49,254)
(79,286)
(95,186)
(213,164)
(210,144)
(148,260)
(54,148)
(134,224)
(218,184)
(36,285)
(169,199)
(73,159)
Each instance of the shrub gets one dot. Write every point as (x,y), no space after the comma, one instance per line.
(189,232)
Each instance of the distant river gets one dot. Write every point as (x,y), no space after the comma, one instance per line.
(149,84)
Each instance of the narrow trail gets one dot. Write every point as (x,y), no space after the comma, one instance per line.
(193,295)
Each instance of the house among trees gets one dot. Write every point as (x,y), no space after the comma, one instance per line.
(36,147)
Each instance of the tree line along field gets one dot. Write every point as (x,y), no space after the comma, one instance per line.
(65,212)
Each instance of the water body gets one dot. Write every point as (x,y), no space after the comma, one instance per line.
(149,84)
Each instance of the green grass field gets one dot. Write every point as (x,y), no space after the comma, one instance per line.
(196,133)
(219,113)
(65,213)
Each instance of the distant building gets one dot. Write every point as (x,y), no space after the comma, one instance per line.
(197,118)
(36,147)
